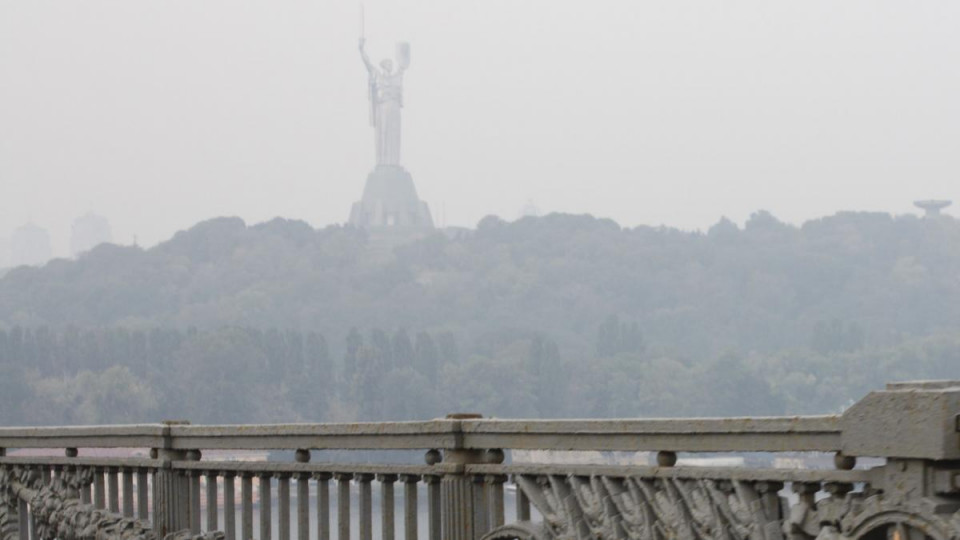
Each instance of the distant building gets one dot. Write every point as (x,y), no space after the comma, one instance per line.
(4,253)
(30,245)
(89,232)
(932,208)
(529,209)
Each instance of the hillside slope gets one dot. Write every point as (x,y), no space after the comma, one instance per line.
(765,287)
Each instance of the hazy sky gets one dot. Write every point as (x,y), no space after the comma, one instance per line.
(158,114)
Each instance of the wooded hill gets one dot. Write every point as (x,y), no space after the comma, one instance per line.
(554,316)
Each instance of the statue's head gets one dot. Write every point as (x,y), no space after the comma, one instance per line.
(387,65)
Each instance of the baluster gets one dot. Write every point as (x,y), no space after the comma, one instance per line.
(246,501)
(433,506)
(366,506)
(303,506)
(343,505)
(157,487)
(113,494)
(127,492)
(143,499)
(283,492)
(523,503)
(323,506)
(410,506)
(495,501)
(156,518)
(194,477)
(183,498)
(85,496)
(386,506)
(57,474)
(229,507)
(481,515)
(302,455)
(33,519)
(266,530)
(212,500)
(33,523)
(99,498)
(23,519)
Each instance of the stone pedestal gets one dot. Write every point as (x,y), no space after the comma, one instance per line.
(390,201)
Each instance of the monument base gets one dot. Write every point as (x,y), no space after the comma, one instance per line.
(390,200)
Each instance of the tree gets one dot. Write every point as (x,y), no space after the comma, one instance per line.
(615,337)
(313,385)
(427,358)
(449,351)
(354,342)
(548,374)
(114,396)
(369,389)
(608,337)
(731,389)
(402,350)
(14,393)
(380,341)
(217,378)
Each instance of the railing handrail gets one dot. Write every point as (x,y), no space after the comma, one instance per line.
(117,436)
(760,434)
(916,420)
(757,434)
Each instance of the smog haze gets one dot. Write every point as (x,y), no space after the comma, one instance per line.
(161,114)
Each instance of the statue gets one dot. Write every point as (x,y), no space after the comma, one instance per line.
(386,100)
(390,198)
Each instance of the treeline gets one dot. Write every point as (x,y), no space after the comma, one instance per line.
(238,375)
(223,375)
(233,374)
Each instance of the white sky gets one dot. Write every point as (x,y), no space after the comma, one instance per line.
(158,114)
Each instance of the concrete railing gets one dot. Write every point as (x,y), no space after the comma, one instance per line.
(184,485)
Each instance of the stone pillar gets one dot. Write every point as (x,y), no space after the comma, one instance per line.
(462,517)
(462,498)
(170,490)
(168,517)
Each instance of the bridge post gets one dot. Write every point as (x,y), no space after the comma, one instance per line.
(170,488)
(464,515)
